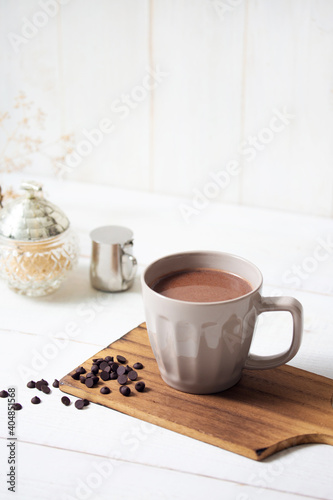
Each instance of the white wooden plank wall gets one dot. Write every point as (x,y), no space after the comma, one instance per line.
(242,93)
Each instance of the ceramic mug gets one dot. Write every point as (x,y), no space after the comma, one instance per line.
(202,347)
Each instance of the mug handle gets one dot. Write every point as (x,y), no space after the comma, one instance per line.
(128,275)
(255,362)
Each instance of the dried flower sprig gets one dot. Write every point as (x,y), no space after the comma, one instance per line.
(21,142)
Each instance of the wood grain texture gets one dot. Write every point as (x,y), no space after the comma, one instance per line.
(285,67)
(267,411)
(107,68)
(198,112)
(229,65)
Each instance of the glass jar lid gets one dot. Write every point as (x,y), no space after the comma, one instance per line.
(31,217)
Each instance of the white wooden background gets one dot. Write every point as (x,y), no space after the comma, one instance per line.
(226,70)
(226,67)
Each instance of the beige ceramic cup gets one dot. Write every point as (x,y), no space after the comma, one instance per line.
(202,347)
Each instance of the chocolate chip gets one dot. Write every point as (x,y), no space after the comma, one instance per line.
(79,404)
(121,370)
(16,406)
(91,381)
(35,400)
(121,359)
(140,386)
(94,369)
(122,379)
(65,400)
(39,385)
(82,379)
(138,366)
(132,375)
(3,394)
(114,367)
(31,384)
(113,376)
(103,365)
(125,390)
(94,360)
(107,369)
(128,369)
(45,382)
(105,390)
(86,402)
(98,361)
(75,376)
(90,374)
(46,389)
(108,358)
(105,376)
(81,370)
(56,383)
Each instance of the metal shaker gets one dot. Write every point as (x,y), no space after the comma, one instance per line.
(38,247)
(112,267)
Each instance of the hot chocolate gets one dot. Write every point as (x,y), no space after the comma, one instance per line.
(201,285)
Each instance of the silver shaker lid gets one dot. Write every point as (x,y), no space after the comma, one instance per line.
(31,217)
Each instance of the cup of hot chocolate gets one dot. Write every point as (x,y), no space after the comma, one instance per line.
(201,309)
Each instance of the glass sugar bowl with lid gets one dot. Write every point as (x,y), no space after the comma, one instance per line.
(37,245)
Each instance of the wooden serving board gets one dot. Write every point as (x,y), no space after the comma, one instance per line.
(265,412)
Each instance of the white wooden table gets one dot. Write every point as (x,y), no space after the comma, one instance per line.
(100,454)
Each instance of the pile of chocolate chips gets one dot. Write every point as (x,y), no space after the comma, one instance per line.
(109,369)
(42,385)
(15,406)
(106,368)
